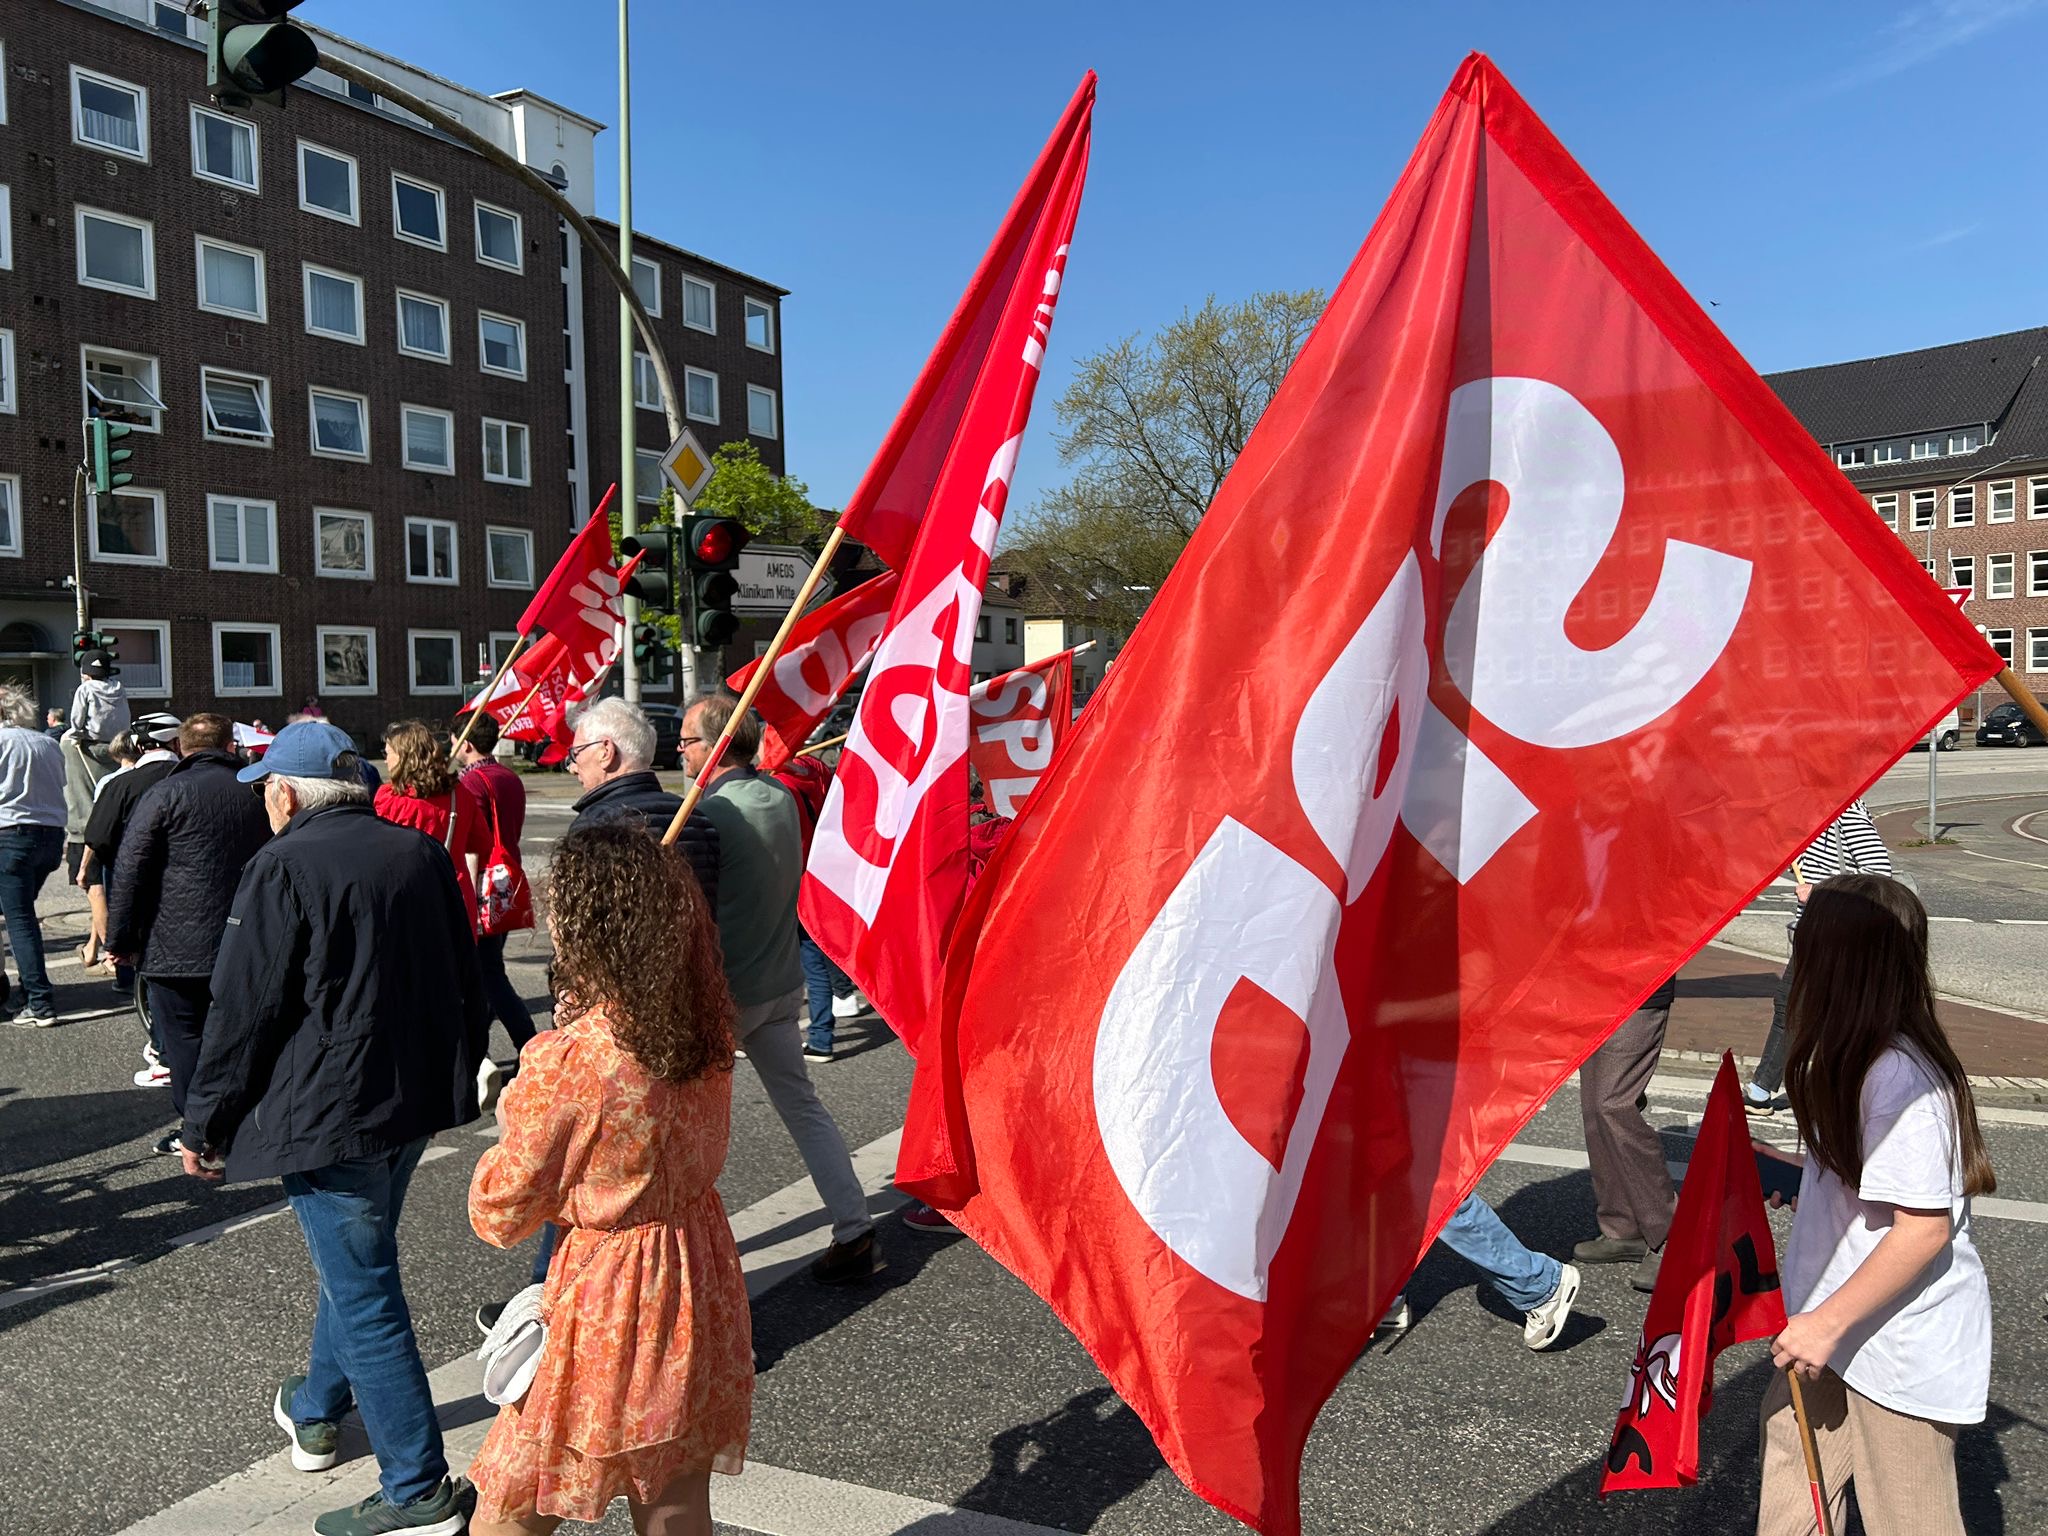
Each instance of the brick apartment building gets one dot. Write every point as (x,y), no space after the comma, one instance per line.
(370,372)
(1950,445)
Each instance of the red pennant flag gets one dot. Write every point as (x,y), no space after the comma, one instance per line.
(1018,719)
(1717,1285)
(889,861)
(823,656)
(1544,572)
(580,602)
(511,702)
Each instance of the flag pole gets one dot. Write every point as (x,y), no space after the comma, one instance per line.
(518,645)
(980,691)
(2023,696)
(1806,1444)
(761,671)
(825,746)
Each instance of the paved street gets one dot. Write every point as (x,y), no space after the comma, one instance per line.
(144,1319)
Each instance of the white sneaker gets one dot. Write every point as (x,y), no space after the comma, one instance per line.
(850,1007)
(153,1077)
(490,1077)
(32,1020)
(1546,1320)
(1397,1319)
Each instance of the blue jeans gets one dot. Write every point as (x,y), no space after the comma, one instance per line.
(1527,1279)
(499,992)
(28,856)
(549,1232)
(823,980)
(363,1344)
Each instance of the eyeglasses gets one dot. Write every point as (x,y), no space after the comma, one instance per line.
(689,741)
(582,746)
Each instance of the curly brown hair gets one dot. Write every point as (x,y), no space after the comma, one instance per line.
(418,755)
(632,932)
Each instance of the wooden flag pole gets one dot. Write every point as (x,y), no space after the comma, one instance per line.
(518,645)
(825,746)
(2023,696)
(761,670)
(1806,1444)
(980,692)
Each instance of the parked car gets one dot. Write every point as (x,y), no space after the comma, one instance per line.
(2008,726)
(1949,734)
(667,720)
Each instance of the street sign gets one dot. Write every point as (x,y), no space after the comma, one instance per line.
(770,576)
(686,467)
(1959,595)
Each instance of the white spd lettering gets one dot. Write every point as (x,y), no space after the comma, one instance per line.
(826,657)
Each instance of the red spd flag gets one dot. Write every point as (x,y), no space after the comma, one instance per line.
(516,703)
(1717,1285)
(889,863)
(1017,720)
(1544,571)
(823,656)
(580,602)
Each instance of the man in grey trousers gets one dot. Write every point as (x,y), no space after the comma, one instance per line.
(1631,1185)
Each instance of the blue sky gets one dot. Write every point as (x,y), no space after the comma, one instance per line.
(1844,179)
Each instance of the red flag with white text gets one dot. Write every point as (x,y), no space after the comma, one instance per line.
(581,600)
(1541,567)
(822,657)
(889,865)
(1017,720)
(512,701)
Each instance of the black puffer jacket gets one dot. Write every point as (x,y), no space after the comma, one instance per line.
(179,862)
(640,794)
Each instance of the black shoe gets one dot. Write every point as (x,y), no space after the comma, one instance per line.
(313,1445)
(170,1146)
(846,1263)
(488,1314)
(443,1512)
(1770,1104)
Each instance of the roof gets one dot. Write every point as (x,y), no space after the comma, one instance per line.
(640,236)
(1042,592)
(521,93)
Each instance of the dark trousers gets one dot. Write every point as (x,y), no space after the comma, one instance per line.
(1770,1067)
(1631,1186)
(499,992)
(823,981)
(28,856)
(178,1006)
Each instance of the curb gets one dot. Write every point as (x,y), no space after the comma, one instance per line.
(2034,1087)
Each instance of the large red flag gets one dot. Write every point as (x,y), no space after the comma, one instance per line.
(889,864)
(1018,719)
(581,600)
(1717,1285)
(512,702)
(1547,579)
(823,655)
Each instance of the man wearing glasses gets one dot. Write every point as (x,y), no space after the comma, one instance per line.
(613,760)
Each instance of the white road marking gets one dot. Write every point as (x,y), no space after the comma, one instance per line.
(2000,859)
(1688,1087)
(2018,828)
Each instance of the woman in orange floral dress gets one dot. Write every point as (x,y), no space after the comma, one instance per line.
(615,1129)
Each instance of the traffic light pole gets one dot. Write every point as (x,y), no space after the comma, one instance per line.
(78,548)
(629,407)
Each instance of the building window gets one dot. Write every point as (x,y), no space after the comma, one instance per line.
(342,544)
(231,280)
(3,81)
(502,641)
(245,660)
(10,514)
(1962,506)
(1849,458)
(327,183)
(237,406)
(981,628)
(8,403)
(435,655)
(761,328)
(2037,497)
(510,560)
(341,425)
(2037,650)
(2000,507)
(646,476)
(761,412)
(1886,453)
(429,437)
(430,551)
(1887,507)
(1962,571)
(1928,567)
(700,395)
(116,253)
(416,212)
(1923,509)
(646,383)
(348,659)
(498,239)
(700,306)
(109,114)
(1925,448)
(145,647)
(171,18)
(505,459)
(2037,573)
(128,528)
(1998,575)
(122,386)
(334,305)
(1967,441)
(242,534)
(422,326)
(502,344)
(224,149)
(1009,631)
(647,285)
(2001,642)
(6,228)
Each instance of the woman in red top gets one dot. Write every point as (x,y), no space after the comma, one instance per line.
(421,791)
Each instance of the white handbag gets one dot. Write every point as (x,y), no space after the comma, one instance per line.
(511,1351)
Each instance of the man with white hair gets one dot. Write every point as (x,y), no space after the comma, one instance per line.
(612,757)
(31,843)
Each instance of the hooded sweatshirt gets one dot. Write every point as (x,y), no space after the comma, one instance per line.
(100,708)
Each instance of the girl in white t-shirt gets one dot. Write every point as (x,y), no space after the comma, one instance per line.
(1890,1317)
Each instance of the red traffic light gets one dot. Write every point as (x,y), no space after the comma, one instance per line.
(714,543)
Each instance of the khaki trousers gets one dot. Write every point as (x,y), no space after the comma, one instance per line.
(1631,1186)
(1904,1468)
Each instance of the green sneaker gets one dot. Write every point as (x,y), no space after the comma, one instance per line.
(444,1512)
(312,1444)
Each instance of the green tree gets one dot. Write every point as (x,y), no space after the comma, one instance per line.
(776,508)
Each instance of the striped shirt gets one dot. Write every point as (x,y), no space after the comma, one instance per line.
(1849,846)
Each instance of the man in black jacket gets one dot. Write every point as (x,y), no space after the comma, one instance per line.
(348,1023)
(175,873)
(611,759)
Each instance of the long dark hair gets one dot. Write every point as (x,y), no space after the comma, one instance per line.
(1860,985)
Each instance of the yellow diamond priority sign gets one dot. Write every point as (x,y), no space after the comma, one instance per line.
(686,467)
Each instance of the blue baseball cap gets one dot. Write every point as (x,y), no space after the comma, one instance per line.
(303,751)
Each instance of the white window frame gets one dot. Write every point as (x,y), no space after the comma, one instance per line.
(689,411)
(3,82)
(652,306)
(369,570)
(362,405)
(748,305)
(1962,437)
(354,218)
(153,387)
(405,439)
(2037,497)
(1962,506)
(276,633)
(253,187)
(342,690)
(482,352)
(399,232)
(1962,571)
(130,686)
(214,432)
(1848,458)
(447,353)
(646,383)
(1923,448)
(243,504)
(1886,453)
(499,641)
(80,213)
(6,228)
(2037,650)
(199,245)
(2012,498)
(491,576)
(163,533)
(1991,569)
(413,637)
(1886,506)
(454,576)
(2037,573)
(141,95)
(476,219)
(690,282)
(10,486)
(10,392)
(774,405)
(505,428)
(1921,508)
(1991,639)
(308,271)
(642,459)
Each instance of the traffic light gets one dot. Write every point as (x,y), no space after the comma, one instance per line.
(651,654)
(253,53)
(711,548)
(101,435)
(653,582)
(84,640)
